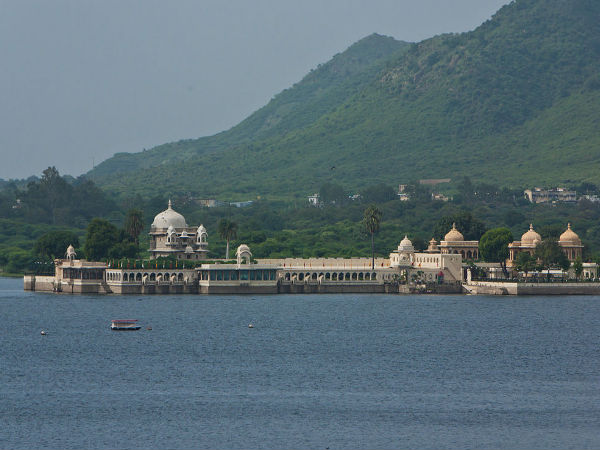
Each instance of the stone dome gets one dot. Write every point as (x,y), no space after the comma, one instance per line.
(454,235)
(70,252)
(243,248)
(569,237)
(406,246)
(169,218)
(531,237)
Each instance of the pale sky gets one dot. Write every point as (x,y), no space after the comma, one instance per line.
(81,80)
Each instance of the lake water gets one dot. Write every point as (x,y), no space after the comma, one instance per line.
(316,371)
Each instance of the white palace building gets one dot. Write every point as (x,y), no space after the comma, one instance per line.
(405,269)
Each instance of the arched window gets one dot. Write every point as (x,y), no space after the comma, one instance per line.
(152,276)
(374,276)
(138,277)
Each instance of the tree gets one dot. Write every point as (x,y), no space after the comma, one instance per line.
(525,262)
(371,221)
(331,193)
(549,253)
(54,187)
(54,244)
(134,224)
(578,267)
(378,193)
(493,246)
(228,231)
(466,190)
(101,235)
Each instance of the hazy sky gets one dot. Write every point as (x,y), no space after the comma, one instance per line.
(81,80)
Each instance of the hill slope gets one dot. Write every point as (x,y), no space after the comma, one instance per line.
(516,101)
(316,94)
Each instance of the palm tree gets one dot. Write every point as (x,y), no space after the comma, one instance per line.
(227,230)
(371,221)
(134,224)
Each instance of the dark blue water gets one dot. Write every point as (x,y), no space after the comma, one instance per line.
(316,371)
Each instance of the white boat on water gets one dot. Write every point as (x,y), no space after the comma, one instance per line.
(124,325)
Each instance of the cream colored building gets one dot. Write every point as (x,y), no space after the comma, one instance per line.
(171,236)
(454,243)
(569,242)
(432,266)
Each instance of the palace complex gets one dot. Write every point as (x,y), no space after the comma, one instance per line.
(440,268)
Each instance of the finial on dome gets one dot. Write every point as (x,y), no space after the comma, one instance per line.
(531,226)
(454,225)
(569,226)
(169,207)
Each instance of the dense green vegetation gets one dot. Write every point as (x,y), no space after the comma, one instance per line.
(515,102)
(295,229)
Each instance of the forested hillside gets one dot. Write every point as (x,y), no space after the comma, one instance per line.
(516,102)
(317,94)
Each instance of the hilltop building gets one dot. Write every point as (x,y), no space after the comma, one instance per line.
(171,236)
(539,195)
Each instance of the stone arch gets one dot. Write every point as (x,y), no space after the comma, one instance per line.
(374,276)
(180,277)
(138,276)
(152,276)
(354,276)
(243,254)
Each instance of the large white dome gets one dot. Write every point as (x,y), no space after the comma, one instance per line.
(169,218)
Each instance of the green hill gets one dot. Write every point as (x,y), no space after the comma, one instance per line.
(317,94)
(516,102)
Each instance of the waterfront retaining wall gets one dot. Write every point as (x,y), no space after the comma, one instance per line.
(512,288)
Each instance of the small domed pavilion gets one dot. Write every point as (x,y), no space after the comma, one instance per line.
(571,244)
(454,243)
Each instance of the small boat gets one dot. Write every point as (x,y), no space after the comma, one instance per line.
(124,325)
